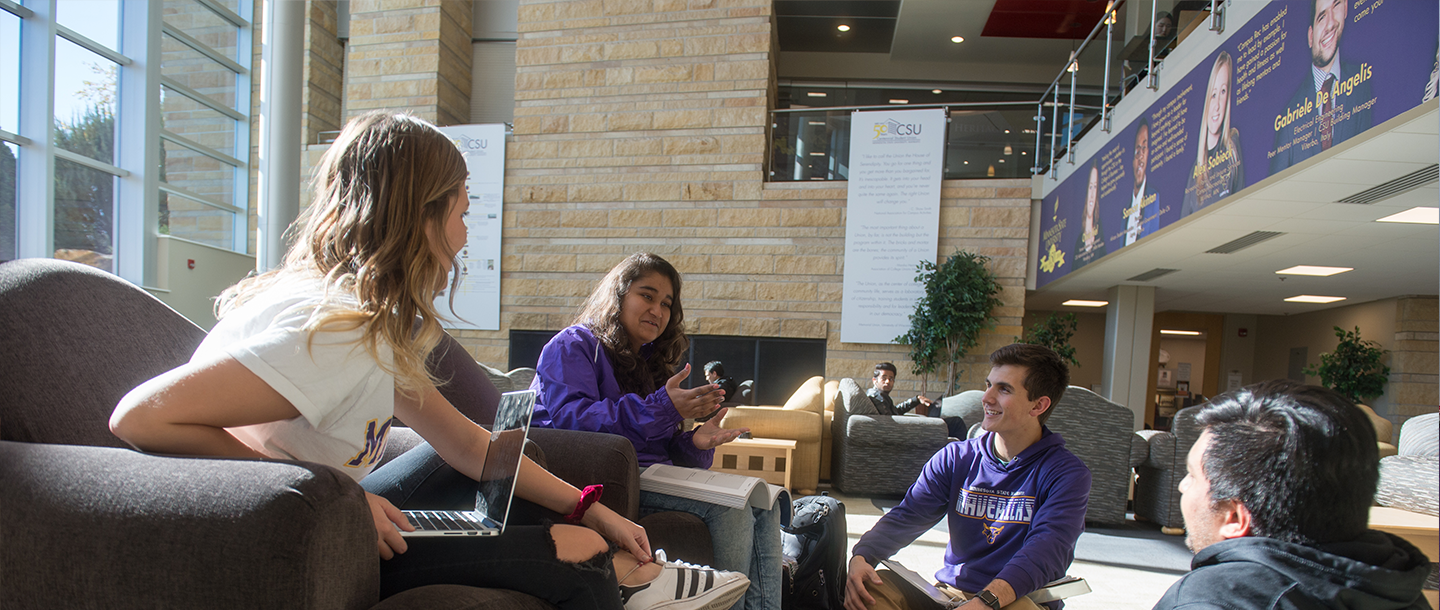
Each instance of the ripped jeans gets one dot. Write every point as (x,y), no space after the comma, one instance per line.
(522,559)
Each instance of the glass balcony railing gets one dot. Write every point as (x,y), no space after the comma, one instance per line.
(996,139)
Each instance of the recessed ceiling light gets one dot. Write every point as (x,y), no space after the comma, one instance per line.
(1002,160)
(899,101)
(957,39)
(815,94)
(1007,131)
(1313,270)
(1310,298)
(935,91)
(1008,150)
(843,28)
(816,122)
(1023,152)
(1084,303)
(967,163)
(1187,333)
(1420,216)
(817,154)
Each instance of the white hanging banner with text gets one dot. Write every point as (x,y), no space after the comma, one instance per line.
(892,219)
(477,298)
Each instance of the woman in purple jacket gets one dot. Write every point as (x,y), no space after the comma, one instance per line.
(612,371)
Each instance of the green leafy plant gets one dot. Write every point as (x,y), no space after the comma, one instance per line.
(960,293)
(1055,332)
(1355,368)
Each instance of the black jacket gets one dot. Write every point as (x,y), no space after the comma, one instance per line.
(1373,572)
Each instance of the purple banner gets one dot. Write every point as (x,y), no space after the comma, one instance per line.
(1297,79)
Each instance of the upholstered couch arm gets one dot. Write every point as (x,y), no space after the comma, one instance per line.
(588,458)
(890,431)
(95,526)
(1139,449)
(775,422)
(1162,449)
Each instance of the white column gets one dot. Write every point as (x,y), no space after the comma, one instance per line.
(281,141)
(34,212)
(1128,322)
(137,214)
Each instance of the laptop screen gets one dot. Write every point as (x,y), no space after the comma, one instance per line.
(502,459)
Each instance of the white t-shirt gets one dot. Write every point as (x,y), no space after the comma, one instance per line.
(344,397)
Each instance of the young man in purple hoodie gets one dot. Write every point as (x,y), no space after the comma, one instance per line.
(1014,499)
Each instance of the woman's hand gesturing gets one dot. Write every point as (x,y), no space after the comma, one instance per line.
(696,402)
(711,435)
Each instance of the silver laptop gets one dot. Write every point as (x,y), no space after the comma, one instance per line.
(497,484)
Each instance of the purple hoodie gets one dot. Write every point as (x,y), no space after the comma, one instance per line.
(575,389)
(1017,521)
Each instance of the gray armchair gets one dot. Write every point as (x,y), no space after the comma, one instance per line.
(878,454)
(90,523)
(1157,494)
(1101,433)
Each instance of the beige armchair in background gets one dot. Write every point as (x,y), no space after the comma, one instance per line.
(798,420)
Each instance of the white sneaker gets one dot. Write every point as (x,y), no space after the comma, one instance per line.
(685,586)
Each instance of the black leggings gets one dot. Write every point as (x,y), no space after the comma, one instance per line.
(522,559)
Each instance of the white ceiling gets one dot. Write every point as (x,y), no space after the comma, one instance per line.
(1389,259)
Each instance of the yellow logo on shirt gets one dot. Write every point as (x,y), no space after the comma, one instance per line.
(374,444)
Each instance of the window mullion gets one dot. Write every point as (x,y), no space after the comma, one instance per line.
(90,45)
(201,98)
(186,193)
(202,149)
(16,9)
(79,159)
(137,145)
(204,49)
(35,196)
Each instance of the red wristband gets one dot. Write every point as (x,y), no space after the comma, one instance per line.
(588,496)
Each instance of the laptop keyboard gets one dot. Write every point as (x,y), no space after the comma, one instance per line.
(453,521)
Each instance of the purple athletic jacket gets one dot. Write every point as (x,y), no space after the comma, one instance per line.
(575,389)
(1017,522)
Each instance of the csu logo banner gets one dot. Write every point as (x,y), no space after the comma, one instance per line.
(892,131)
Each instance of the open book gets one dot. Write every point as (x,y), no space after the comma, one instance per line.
(1068,586)
(725,489)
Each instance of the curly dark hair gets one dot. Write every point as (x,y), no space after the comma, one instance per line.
(636,373)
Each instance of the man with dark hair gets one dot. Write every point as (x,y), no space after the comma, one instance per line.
(1331,102)
(1276,503)
(882,381)
(1143,216)
(1014,499)
(715,373)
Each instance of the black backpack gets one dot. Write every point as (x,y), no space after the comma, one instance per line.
(815,546)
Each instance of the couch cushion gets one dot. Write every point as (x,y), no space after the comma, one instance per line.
(1383,427)
(809,397)
(1407,482)
(856,402)
(832,391)
(1420,436)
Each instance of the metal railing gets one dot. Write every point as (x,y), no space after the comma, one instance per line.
(988,139)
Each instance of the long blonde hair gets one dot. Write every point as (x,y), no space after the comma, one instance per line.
(1222,60)
(384,187)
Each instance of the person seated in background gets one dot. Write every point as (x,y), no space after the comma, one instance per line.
(715,373)
(882,381)
(1277,503)
(1014,500)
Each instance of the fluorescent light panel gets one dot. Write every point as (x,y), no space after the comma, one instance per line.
(1313,270)
(1420,216)
(899,101)
(1084,303)
(815,94)
(1310,298)
(1187,333)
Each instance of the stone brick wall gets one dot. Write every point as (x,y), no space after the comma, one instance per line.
(410,54)
(324,62)
(1414,387)
(642,125)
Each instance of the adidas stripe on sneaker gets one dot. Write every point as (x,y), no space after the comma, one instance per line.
(685,586)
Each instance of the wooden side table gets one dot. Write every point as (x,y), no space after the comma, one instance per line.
(767,458)
(1417,529)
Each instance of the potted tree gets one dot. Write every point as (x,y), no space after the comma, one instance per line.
(960,293)
(1355,368)
(1055,332)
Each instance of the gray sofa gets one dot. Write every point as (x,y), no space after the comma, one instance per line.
(90,523)
(875,454)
